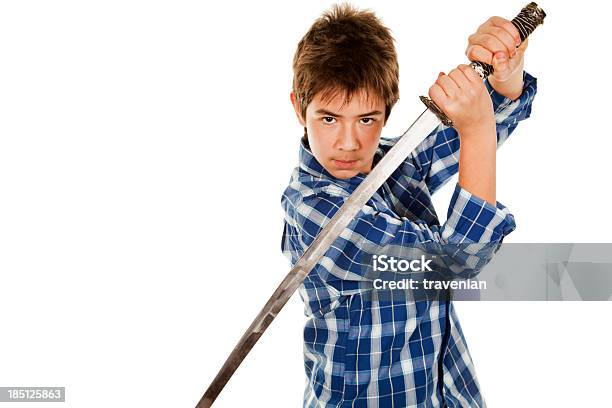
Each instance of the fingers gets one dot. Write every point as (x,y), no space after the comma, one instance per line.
(504,37)
(507,26)
(479,53)
(461,80)
(436,93)
(495,35)
(470,74)
(490,42)
(448,85)
(457,83)
(462,96)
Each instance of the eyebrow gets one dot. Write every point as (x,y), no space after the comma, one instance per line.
(326,112)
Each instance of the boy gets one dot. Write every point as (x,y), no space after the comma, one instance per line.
(361,351)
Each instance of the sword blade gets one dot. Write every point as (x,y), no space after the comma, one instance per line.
(416,133)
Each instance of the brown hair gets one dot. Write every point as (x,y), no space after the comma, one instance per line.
(346,50)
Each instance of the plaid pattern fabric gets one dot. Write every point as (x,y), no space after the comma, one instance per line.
(364,351)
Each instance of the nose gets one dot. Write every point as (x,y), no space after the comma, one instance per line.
(347,140)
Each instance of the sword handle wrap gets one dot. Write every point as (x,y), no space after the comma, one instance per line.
(526,22)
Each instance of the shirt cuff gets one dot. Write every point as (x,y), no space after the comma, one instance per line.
(500,101)
(471,219)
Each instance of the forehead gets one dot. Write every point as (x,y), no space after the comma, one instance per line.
(340,99)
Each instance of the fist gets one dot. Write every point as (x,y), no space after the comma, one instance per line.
(463,97)
(497,42)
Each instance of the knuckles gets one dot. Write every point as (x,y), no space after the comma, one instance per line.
(496,19)
(465,91)
(490,42)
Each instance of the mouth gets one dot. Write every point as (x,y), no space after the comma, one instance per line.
(344,164)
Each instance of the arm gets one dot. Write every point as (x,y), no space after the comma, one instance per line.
(470,220)
(477,161)
(496,42)
(437,157)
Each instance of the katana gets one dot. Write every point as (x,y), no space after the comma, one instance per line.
(526,21)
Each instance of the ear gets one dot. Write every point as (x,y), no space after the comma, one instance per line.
(296,107)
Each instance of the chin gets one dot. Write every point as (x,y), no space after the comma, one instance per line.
(343,174)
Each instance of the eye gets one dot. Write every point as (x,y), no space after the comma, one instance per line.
(369,121)
(325,119)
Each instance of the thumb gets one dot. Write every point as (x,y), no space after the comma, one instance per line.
(500,62)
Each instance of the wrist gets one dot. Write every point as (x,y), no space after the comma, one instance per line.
(511,88)
(479,128)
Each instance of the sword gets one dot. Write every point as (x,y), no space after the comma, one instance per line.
(526,22)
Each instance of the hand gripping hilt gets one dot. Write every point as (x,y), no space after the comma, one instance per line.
(526,22)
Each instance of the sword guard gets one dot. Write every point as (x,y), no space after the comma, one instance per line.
(431,105)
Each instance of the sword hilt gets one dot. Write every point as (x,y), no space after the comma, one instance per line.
(526,22)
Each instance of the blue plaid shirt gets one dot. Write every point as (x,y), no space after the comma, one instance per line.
(363,351)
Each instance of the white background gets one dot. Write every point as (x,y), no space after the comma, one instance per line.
(144,150)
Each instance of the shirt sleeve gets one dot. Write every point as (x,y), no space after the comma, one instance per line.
(472,233)
(436,157)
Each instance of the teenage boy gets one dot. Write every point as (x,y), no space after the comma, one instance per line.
(359,350)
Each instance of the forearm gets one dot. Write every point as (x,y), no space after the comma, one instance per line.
(477,161)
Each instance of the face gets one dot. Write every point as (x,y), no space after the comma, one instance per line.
(344,137)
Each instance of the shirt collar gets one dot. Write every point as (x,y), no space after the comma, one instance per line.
(310,165)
